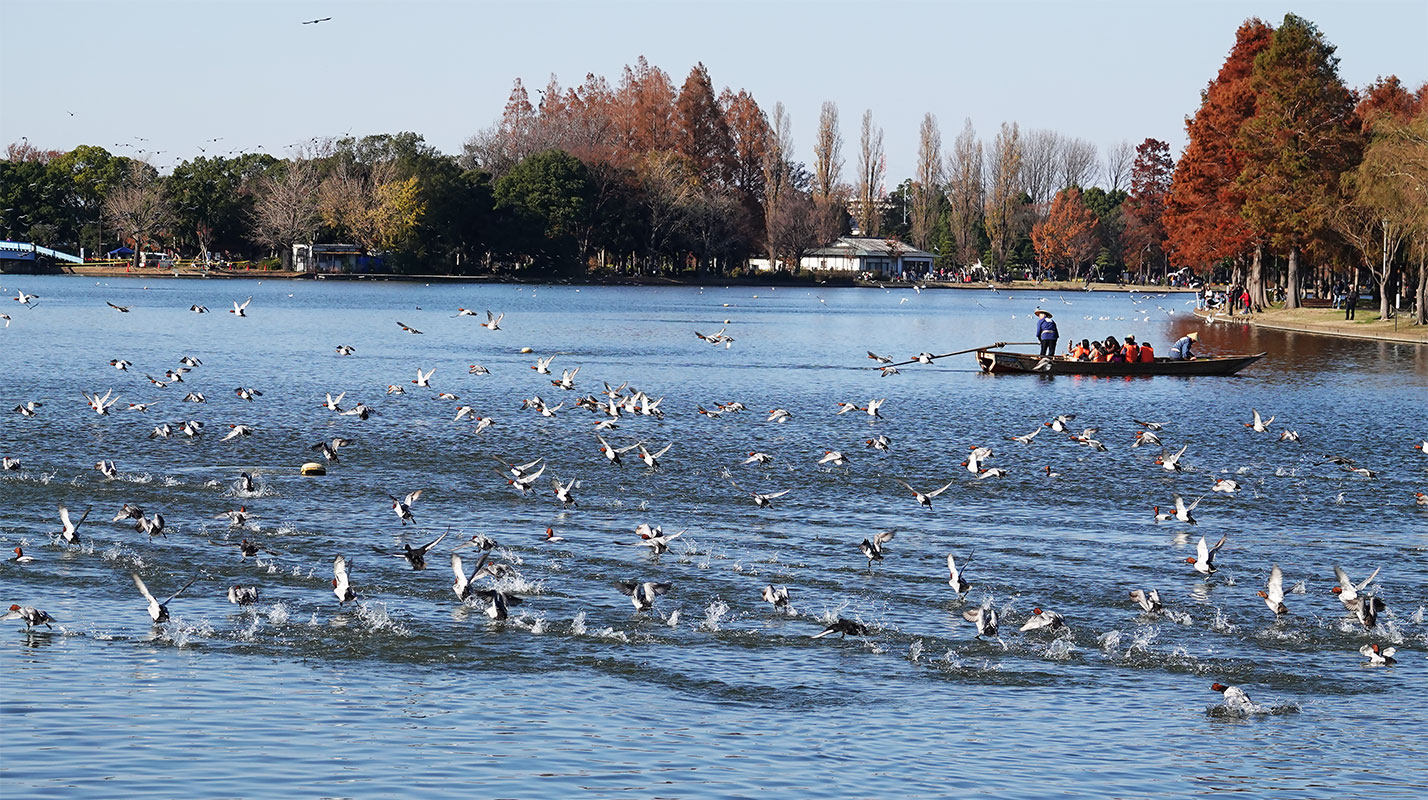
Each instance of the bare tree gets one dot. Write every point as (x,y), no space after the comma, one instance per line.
(285,212)
(1119,158)
(1039,151)
(669,191)
(966,192)
(1076,163)
(777,156)
(872,166)
(827,153)
(793,229)
(1005,171)
(137,208)
(830,194)
(927,186)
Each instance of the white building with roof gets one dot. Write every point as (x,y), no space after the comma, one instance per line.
(863,254)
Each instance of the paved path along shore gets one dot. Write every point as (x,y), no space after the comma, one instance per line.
(1327,322)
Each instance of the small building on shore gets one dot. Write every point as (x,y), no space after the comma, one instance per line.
(859,255)
(335,258)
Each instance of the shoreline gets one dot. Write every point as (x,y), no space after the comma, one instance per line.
(625,280)
(1323,322)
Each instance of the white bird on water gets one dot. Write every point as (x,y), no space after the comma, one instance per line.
(1204,558)
(159,612)
(924,498)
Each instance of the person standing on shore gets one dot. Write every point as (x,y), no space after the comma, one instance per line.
(1046,333)
(1351,302)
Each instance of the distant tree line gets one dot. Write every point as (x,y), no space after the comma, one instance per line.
(1283,164)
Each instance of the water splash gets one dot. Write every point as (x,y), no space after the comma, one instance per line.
(1060,649)
(1109,641)
(278,614)
(1221,623)
(577,625)
(914,651)
(713,615)
(673,620)
(375,617)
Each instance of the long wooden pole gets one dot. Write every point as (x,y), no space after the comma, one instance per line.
(957,353)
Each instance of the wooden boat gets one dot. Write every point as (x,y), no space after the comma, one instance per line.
(998,362)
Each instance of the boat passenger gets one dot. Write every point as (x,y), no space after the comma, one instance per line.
(1082,351)
(1180,351)
(1147,354)
(1113,351)
(1131,351)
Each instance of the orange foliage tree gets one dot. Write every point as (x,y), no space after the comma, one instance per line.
(1069,236)
(1202,212)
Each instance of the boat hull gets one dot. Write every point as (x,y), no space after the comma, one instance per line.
(997,362)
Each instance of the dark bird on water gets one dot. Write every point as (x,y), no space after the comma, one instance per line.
(846,627)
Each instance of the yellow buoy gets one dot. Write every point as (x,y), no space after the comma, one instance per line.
(527,350)
(313,468)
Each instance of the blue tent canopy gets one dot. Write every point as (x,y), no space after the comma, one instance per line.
(120,251)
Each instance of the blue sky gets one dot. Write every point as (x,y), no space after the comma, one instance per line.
(181,73)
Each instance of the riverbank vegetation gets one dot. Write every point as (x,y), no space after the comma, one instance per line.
(1290,182)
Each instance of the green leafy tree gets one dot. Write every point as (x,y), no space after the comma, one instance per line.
(212,199)
(549,193)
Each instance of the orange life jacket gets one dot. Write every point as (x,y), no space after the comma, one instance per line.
(1079,353)
(1131,352)
(1147,355)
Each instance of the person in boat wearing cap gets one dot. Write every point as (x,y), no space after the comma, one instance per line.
(1131,350)
(1180,351)
(1046,333)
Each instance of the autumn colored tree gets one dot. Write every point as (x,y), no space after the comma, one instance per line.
(927,185)
(1068,236)
(1301,137)
(748,128)
(1202,217)
(1385,201)
(1144,209)
(645,111)
(701,132)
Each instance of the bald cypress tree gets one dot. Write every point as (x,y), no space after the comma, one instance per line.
(1302,136)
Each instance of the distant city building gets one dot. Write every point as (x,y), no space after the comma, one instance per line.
(346,258)
(860,254)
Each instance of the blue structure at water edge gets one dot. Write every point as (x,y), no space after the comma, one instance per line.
(28,251)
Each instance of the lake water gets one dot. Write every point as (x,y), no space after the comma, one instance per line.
(714,694)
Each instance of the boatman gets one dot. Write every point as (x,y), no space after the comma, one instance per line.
(1046,333)
(1180,351)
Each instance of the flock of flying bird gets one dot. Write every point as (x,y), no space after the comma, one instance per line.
(613,404)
